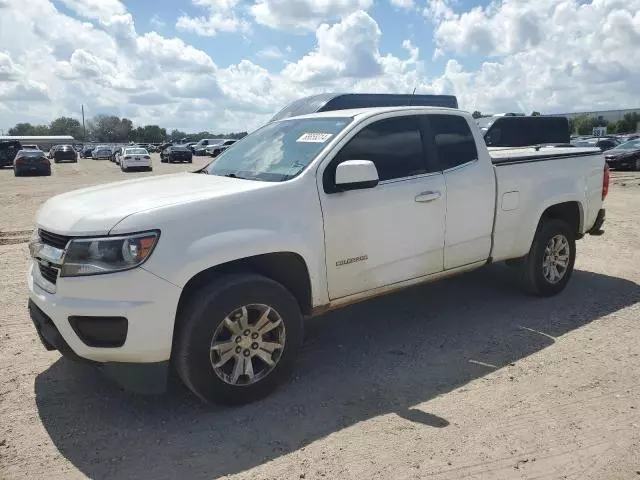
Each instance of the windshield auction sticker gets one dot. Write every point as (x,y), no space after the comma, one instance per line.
(314,137)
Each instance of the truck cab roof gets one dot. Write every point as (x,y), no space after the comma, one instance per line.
(371,111)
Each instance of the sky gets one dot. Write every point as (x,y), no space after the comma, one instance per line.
(229,65)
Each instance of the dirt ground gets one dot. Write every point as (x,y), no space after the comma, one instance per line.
(466,378)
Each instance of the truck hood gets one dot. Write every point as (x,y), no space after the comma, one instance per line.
(96,210)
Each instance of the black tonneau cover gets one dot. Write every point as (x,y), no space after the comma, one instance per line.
(511,156)
(518,131)
(325,102)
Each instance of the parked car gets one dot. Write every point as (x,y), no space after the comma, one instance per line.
(65,153)
(230,270)
(176,153)
(625,155)
(31,161)
(87,152)
(135,157)
(200,148)
(216,150)
(102,153)
(8,151)
(117,153)
(51,150)
(603,143)
(628,138)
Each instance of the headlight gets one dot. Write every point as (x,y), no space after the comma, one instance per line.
(92,256)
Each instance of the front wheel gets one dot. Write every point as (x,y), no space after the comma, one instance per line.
(547,268)
(238,339)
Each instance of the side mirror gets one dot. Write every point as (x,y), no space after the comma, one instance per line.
(356,175)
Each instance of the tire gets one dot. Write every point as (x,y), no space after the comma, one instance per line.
(55,160)
(149,169)
(124,169)
(636,165)
(190,160)
(16,173)
(531,267)
(204,316)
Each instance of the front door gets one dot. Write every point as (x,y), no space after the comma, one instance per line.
(394,231)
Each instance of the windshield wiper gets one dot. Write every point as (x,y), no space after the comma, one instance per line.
(235,175)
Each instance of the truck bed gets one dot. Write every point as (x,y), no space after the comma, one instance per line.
(530,179)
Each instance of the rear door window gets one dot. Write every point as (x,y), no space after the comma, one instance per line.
(452,140)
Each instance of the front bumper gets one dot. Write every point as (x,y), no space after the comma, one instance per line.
(147,378)
(147,302)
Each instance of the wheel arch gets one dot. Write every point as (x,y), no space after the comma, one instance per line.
(287,268)
(570,212)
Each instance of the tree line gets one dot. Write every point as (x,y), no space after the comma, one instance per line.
(112,129)
(584,124)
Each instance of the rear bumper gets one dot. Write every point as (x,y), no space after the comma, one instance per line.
(597,226)
(35,170)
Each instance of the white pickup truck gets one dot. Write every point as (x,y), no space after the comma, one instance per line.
(212,272)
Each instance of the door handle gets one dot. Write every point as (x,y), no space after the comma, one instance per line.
(428,196)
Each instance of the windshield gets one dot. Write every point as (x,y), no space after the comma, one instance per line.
(632,145)
(179,149)
(278,151)
(30,153)
(136,151)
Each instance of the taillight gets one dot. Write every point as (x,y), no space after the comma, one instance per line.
(605,182)
(19,160)
(44,161)
(146,157)
(127,157)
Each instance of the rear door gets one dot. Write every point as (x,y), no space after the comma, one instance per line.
(470,185)
(394,231)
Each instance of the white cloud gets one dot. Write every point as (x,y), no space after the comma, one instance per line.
(550,55)
(346,49)
(221,18)
(270,52)
(96,9)
(29,91)
(406,4)
(304,14)
(8,70)
(565,56)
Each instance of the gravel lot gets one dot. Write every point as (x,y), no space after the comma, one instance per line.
(466,378)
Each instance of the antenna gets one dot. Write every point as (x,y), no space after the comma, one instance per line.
(414,90)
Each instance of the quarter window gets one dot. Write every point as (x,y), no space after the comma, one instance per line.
(453,140)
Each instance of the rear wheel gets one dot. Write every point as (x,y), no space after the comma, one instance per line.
(547,268)
(636,166)
(123,168)
(17,173)
(238,339)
